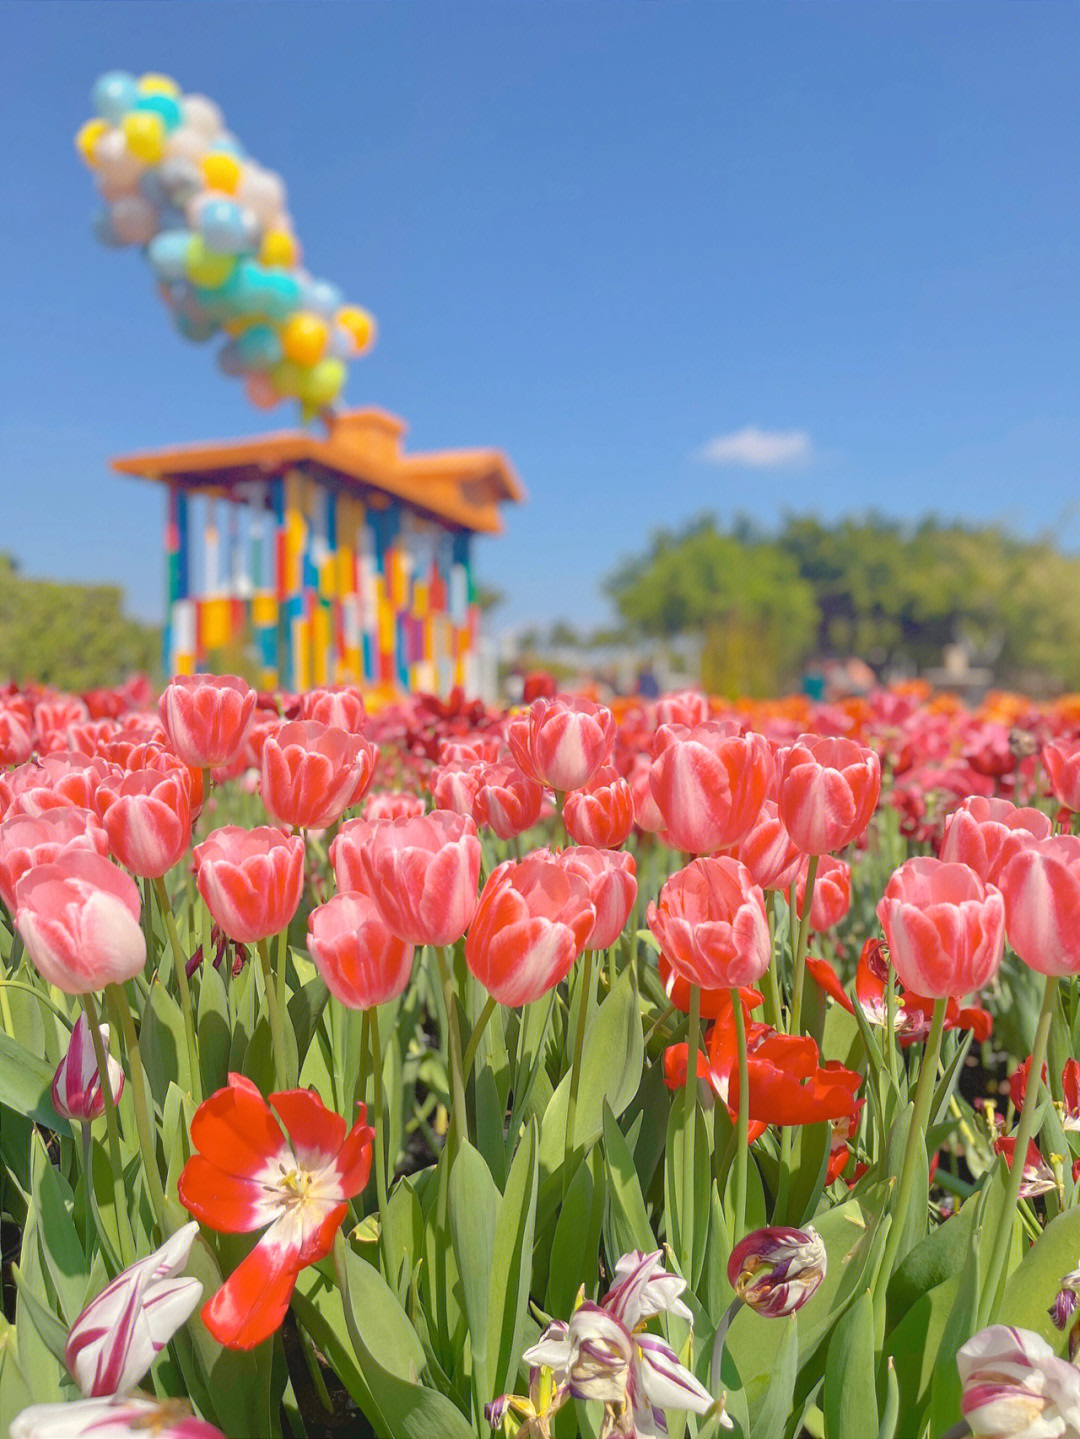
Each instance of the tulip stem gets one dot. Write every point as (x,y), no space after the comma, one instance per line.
(139,1089)
(458,1116)
(1024,1134)
(123,1222)
(773,1007)
(799,978)
(686,1258)
(742,1123)
(916,1140)
(380,1144)
(584,997)
(277,1033)
(490,1006)
(180,965)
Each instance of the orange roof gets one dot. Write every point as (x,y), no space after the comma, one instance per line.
(361,451)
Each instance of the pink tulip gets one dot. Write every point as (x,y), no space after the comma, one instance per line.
(311,773)
(602,813)
(767,851)
(343,708)
(79,919)
(611,877)
(709,783)
(423,875)
(828,791)
(16,733)
(1041,886)
(392,804)
(454,784)
(147,816)
(562,742)
(945,927)
(76,1086)
(251,880)
(987,833)
(832,894)
(361,960)
(59,779)
(207,717)
(710,922)
(507,800)
(27,840)
(1061,759)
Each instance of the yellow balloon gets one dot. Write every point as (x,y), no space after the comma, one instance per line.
(323,383)
(360,325)
(288,377)
(279,249)
(87,139)
(221,171)
(144,132)
(206,268)
(303,339)
(159,85)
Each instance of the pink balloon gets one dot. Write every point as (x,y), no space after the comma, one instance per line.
(261,392)
(134,220)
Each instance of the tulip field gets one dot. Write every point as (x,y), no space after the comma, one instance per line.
(424,1070)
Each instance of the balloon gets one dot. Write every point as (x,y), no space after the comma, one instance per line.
(259,347)
(113,95)
(145,135)
(181,179)
(154,84)
(114,161)
(289,378)
(341,345)
(323,383)
(151,187)
(111,190)
(221,171)
(228,144)
(303,338)
(279,248)
(134,220)
(262,191)
(168,253)
(202,115)
(186,144)
(280,294)
(195,329)
(86,141)
(163,105)
(260,391)
(360,325)
(206,268)
(322,298)
(226,227)
(103,230)
(229,360)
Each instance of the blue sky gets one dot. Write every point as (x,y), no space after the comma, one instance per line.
(668,257)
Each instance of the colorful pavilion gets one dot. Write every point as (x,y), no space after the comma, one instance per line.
(327,558)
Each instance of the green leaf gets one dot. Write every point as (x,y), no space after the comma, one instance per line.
(940,1256)
(15,1392)
(304,1012)
(26,1085)
(775,1408)
(1031,1287)
(849,1395)
(259,1056)
(627,1223)
(60,1246)
(511,1264)
(945,1388)
(809,1162)
(576,1242)
(214,1030)
(163,1043)
(692,1246)
(473,1210)
(51,1330)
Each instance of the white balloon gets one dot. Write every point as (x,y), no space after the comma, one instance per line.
(134,220)
(262,191)
(186,143)
(202,115)
(114,161)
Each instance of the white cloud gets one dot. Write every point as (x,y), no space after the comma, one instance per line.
(759,449)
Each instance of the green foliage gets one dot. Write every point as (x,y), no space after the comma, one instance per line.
(75,637)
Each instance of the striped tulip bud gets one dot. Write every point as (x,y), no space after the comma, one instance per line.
(76,1086)
(775,1270)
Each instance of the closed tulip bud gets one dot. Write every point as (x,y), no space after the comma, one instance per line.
(987,833)
(611,877)
(944,926)
(120,1333)
(562,742)
(828,792)
(423,875)
(311,773)
(767,851)
(1041,886)
(601,814)
(710,922)
(709,783)
(27,840)
(776,1270)
(79,919)
(251,880)
(507,800)
(207,717)
(832,894)
(362,962)
(1061,759)
(147,817)
(76,1086)
(1014,1384)
(532,922)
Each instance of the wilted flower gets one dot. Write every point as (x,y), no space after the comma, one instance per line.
(1064,1307)
(1014,1384)
(776,1270)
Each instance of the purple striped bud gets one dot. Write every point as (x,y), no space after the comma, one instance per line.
(776,1270)
(76,1086)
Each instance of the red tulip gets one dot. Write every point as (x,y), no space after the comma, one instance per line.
(1041,886)
(311,773)
(562,742)
(1070,1088)
(602,813)
(709,783)
(767,851)
(611,877)
(423,875)
(251,880)
(945,927)
(710,922)
(1061,759)
(532,922)
(829,789)
(913,1012)
(27,840)
(1038,1177)
(507,800)
(79,919)
(832,894)
(147,817)
(207,717)
(362,962)
(247,1173)
(986,833)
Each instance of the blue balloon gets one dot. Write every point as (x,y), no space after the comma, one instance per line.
(114,95)
(163,105)
(281,294)
(259,348)
(167,252)
(227,144)
(341,345)
(227,228)
(229,359)
(322,298)
(151,186)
